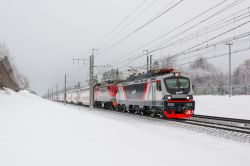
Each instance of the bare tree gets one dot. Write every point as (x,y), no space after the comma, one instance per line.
(242,73)
(112,74)
(168,62)
(156,65)
(201,72)
(219,80)
(201,63)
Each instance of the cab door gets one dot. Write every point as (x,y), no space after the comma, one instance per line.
(153,92)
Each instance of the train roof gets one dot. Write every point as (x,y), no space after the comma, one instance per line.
(151,73)
(109,82)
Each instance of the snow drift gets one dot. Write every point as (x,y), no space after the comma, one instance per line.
(34,131)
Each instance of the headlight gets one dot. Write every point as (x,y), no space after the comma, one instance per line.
(188,112)
(189,97)
(168,97)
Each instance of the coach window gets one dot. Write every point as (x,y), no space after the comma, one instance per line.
(158,86)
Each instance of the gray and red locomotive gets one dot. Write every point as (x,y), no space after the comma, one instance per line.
(163,92)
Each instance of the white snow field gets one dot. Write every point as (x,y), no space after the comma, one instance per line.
(223,106)
(37,132)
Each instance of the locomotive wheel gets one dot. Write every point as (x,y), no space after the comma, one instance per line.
(106,106)
(124,108)
(142,112)
(113,108)
(131,109)
(137,110)
(109,106)
(119,107)
(145,110)
(152,111)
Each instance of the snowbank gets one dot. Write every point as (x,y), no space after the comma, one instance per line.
(223,106)
(35,131)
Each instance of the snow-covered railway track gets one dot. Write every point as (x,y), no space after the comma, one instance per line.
(229,131)
(235,125)
(208,126)
(217,129)
(241,123)
(218,125)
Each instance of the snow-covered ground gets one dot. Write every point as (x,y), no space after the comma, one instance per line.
(223,106)
(37,132)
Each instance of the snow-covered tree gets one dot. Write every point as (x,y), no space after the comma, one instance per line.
(219,79)
(242,73)
(204,74)
(201,63)
(156,64)
(201,72)
(168,62)
(111,75)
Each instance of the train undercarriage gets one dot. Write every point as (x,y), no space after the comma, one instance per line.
(181,110)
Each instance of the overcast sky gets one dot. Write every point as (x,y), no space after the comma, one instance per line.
(44,36)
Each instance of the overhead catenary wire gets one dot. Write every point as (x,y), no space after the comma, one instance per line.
(183,39)
(215,56)
(120,23)
(228,6)
(193,47)
(173,30)
(215,47)
(141,27)
(225,9)
(129,23)
(214,27)
(243,35)
(204,58)
(199,15)
(236,2)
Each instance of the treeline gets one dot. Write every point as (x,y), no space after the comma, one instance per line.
(204,74)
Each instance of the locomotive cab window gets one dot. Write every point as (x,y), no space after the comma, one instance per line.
(158,86)
(176,85)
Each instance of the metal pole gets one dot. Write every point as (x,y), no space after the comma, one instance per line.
(52,96)
(230,79)
(90,81)
(57,91)
(147,62)
(147,59)
(92,96)
(65,81)
(150,63)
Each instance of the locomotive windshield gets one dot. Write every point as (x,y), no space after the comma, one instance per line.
(177,85)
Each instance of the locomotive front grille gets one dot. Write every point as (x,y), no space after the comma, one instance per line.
(179,107)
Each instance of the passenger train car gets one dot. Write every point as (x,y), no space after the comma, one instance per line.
(163,92)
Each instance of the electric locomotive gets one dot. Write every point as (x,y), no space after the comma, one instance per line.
(165,92)
(105,95)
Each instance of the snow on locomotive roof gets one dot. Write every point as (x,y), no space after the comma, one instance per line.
(150,74)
